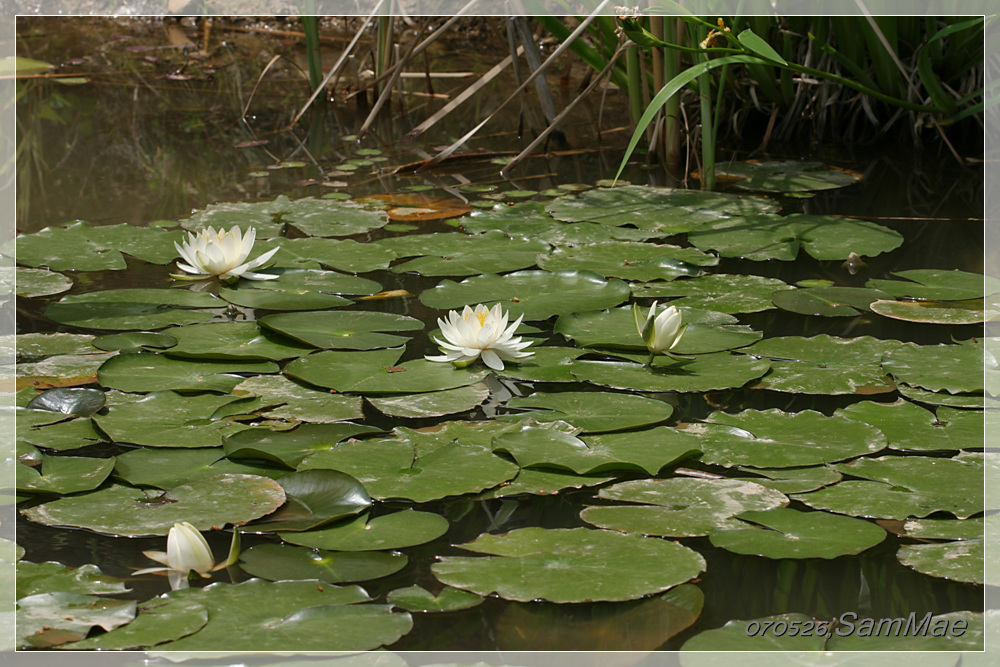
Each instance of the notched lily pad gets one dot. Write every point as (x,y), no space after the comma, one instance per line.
(397,530)
(630,261)
(125,309)
(347,330)
(706,372)
(828,301)
(591,411)
(951,368)
(418,599)
(285,562)
(787,533)
(71,401)
(720,292)
(785,176)
(314,498)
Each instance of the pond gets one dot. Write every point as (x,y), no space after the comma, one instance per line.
(811,447)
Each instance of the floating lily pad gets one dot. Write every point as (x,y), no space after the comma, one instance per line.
(145,372)
(288,448)
(946,529)
(434,403)
(61,436)
(719,292)
(957,561)
(547,482)
(546,364)
(270,299)
(706,372)
(165,468)
(417,599)
(291,401)
(537,295)
(125,309)
(951,368)
(741,635)
(794,480)
(593,412)
(649,451)
(662,209)
(67,249)
(72,401)
(314,498)
(827,301)
(785,176)
(959,400)
(529,220)
(49,619)
(302,281)
(786,533)
(938,285)
(875,500)
(39,282)
(347,330)
(127,511)
(931,636)
(363,533)
(35,345)
(343,255)
(158,621)
(234,341)
(679,507)
(824,237)
(64,370)
(569,565)
(909,427)
(936,312)
(323,217)
(264,216)
(776,439)
(282,562)
(34,578)
(63,474)
(631,261)
(825,364)
(140,341)
(166,419)
(464,254)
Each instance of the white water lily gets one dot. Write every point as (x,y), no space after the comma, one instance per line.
(187,551)
(482,332)
(221,253)
(660,333)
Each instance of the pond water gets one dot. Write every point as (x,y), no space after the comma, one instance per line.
(156,135)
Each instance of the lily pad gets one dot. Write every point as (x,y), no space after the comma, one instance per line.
(36,345)
(417,599)
(289,447)
(263,216)
(794,480)
(434,403)
(140,341)
(631,261)
(127,511)
(363,533)
(951,368)
(270,299)
(679,507)
(824,237)
(324,217)
(149,243)
(346,330)
(314,498)
(165,468)
(909,427)
(125,309)
(39,282)
(828,301)
(283,562)
(67,249)
(662,209)
(786,533)
(741,635)
(145,372)
(464,254)
(876,500)
(785,176)
(547,482)
(591,411)
(529,220)
(72,401)
(569,565)
(707,372)
(61,436)
(946,529)
(958,561)
(291,401)
(825,364)
(959,400)
(64,370)
(938,285)
(341,254)
(720,292)
(546,364)
(972,311)
(158,621)
(537,295)
(35,578)
(166,419)
(234,341)
(776,439)
(49,619)
(954,631)
(63,474)
(303,281)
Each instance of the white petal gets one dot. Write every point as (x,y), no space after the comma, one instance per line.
(491,359)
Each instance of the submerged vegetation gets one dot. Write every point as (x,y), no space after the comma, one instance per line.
(659,416)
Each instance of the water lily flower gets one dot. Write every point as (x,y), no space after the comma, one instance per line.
(482,332)
(187,551)
(660,333)
(221,253)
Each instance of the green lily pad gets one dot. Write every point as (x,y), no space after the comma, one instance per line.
(972,311)
(234,341)
(952,484)
(165,468)
(546,364)
(303,281)
(529,220)
(270,299)
(631,261)
(434,403)
(314,498)
(418,599)
(126,309)
(63,474)
(957,561)
(264,216)
(786,533)
(662,209)
(909,427)
(825,364)
(740,635)
(547,482)
(157,621)
(362,533)
(876,500)
(61,436)
(706,372)
(793,480)
(35,345)
(946,529)
(67,249)
(347,330)
(341,254)
(35,578)
(776,439)
(293,402)
(827,301)
(465,255)
(959,400)
(954,631)
(356,372)
(569,565)
(127,511)
(71,401)
(282,562)
(140,341)
(288,448)
(39,282)
(74,368)
(719,292)
(592,411)
(324,217)
(951,368)
(49,619)
(537,295)
(938,285)
(149,243)
(649,451)
(679,507)
(785,176)
(824,237)
(166,419)
(145,372)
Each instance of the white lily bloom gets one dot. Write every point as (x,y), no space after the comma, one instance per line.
(482,332)
(662,332)
(187,550)
(221,253)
